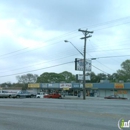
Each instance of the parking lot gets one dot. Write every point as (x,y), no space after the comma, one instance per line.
(62,114)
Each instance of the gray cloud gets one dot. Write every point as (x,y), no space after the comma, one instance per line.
(40,21)
(61,15)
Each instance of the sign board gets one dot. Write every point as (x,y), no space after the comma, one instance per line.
(81,85)
(80,77)
(76,85)
(49,85)
(43,85)
(65,85)
(79,64)
(88,85)
(119,85)
(53,85)
(121,92)
(35,85)
(66,88)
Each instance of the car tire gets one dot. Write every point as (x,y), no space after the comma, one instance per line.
(17,96)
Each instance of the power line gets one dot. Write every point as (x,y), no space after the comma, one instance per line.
(108,22)
(104,45)
(67,34)
(14,51)
(112,26)
(40,63)
(111,50)
(71,32)
(101,63)
(46,68)
(112,56)
(38,69)
(99,69)
(39,47)
(105,66)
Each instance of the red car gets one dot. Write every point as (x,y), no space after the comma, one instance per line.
(55,95)
(114,97)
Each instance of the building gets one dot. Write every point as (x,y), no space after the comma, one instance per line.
(92,89)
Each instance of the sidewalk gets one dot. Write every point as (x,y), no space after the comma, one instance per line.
(81,98)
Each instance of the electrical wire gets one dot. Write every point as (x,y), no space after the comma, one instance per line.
(39,63)
(14,52)
(53,39)
(71,32)
(101,63)
(100,69)
(37,69)
(112,56)
(47,68)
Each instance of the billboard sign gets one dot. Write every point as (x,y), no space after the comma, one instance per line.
(80,77)
(35,85)
(65,85)
(88,85)
(79,64)
(119,85)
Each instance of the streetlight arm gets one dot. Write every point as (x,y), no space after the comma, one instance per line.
(74,47)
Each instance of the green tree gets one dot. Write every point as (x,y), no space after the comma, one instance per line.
(101,76)
(114,77)
(68,76)
(7,84)
(93,78)
(55,77)
(50,77)
(124,72)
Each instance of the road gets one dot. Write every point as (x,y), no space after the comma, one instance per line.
(62,114)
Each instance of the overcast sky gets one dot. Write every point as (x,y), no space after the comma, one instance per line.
(32,34)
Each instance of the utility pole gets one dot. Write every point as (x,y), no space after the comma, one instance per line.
(85,32)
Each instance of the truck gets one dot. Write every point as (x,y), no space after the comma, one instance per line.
(24,94)
(40,95)
(6,94)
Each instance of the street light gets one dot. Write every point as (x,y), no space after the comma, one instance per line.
(79,52)
(74,47)
(84,93)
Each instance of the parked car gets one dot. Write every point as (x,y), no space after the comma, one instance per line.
(114,97)
(40,95)
(22,94)
(5,94)
(54,95)
(32,94)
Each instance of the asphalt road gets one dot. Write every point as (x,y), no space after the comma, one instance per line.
(62,114)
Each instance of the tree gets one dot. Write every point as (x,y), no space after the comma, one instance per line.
(25,79)
(68,76)
(50,77)
(101,76)
(55,77)
(7,84)
(124,72)
(93,77)
(114,77)
(28,78)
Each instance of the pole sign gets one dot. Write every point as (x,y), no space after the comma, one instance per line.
(79,64)
(80,77)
